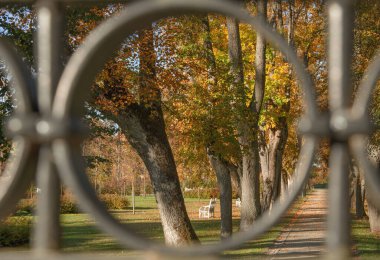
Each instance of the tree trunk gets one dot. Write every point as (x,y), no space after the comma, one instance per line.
(250,185)
(373,212)
(235,173)
(284,184)
(359,205)
(283,129)
(271,170)
(260,62)
(224,181)
(145,130)
(247,132)
(357,201)
(144,126)
(374,218)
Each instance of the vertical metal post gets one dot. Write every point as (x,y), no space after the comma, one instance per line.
(49,38)
(341,21)
(339,228)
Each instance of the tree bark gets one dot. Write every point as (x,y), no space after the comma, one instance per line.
(224,181)
(357,200)
(284,183)
(235,173)
(271,161)
(260,61)
(247,133)
(373,212)
(374,218)
(283,129)
(144,126)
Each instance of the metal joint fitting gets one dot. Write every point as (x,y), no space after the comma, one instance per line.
(339,125)
(44,130)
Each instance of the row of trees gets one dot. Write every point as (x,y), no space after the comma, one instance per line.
(204,95)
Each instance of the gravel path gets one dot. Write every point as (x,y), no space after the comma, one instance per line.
(305,236)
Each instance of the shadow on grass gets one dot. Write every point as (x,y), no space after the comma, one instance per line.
(367,243)
(87,237)
(81,234)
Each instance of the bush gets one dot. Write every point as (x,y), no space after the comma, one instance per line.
(68,205)
(114,201)
(15,231)
(25,207)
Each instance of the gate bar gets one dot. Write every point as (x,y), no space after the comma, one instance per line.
(340,16)
(50,38)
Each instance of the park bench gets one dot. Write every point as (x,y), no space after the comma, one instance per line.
(207,211)
(238,202)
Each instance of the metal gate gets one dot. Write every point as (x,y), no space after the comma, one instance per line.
(47,132)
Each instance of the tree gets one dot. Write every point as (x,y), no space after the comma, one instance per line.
(218,163)
(247,134)
(271,151)
(140,117)
(366,42)
(142,122)
(15,24)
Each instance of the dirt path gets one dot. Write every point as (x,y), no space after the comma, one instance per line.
(305,236)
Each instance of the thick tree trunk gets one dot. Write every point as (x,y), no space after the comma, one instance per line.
(247,131)
(373,212)
(271,170)
(374,218)
(357,200)
(145,130)
(144,126)
(250,185)
(224,181)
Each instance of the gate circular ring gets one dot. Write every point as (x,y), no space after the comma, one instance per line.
(75,85)
(360,110)
(20,169)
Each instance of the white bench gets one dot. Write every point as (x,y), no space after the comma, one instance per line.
(238,203)
(207,211)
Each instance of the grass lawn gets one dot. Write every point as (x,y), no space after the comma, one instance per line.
(80,233)
(367,244)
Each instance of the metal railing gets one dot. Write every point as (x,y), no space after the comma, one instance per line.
(47,130)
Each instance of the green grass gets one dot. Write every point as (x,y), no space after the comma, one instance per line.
(80,233)
(367,244)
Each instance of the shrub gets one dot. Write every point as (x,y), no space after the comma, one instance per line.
(114,201)
(15,231)
(25,207)
(68,205)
